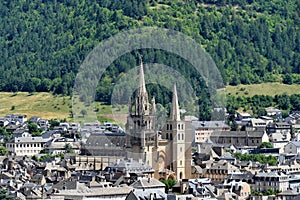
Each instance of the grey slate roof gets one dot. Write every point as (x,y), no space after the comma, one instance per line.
(296,143)
(130,166)
(144,195)
(238,134)
(245,176)
(30,140)
(209,124)
(101,140)
(269,174)
(147,183)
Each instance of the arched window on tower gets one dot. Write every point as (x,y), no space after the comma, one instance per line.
(167,136)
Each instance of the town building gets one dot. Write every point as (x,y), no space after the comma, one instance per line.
(279,131)
(221,170)
(147,188)
(256,125)
(105,145)
(243,115)
(240,138)
(60,145)
(267,119)
(292,147)
(26,146)
(274,112)
(294,119)
(242,189)
(21,118)
(277,181)
(203,129)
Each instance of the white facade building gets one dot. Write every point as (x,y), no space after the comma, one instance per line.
(26,146)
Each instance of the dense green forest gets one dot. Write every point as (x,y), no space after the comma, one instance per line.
(43,43)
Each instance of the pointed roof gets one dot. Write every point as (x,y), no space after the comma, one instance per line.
(175,114)
(153,106)
(141,99)
(142,85)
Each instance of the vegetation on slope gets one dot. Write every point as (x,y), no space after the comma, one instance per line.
(269,89)
(49,106)
(44,43)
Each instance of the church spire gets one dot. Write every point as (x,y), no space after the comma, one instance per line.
(142,85)
(175,114)
(141,99)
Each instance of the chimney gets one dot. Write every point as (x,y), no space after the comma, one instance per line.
(151,196)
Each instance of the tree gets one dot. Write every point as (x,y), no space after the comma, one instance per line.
(3,131)
(3,151)
(69,148)
(83,112)
(168,184)
(5,196)
(261,111)
(271,160)
(7,135)
(53,123)
(283,101)
(29,87)
(34,129)
(35,158)
(287,79)
(45,85)
(234,126)
(269,192)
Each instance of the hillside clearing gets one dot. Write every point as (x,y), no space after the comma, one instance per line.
(271,89)
(50,106)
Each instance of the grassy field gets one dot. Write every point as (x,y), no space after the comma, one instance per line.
(38,104)
(263,89)
(50,106)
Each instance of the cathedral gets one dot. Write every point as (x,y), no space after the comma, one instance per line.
(168,150)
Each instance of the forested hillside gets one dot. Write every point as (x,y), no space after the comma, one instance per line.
(44,42)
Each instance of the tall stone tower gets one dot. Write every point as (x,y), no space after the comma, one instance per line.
(175,132)
(141,126)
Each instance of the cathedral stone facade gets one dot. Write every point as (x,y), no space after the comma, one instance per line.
(168,151)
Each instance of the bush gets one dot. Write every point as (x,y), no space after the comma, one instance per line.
(266,145)
(271,160)
(168,184)
(3,151)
